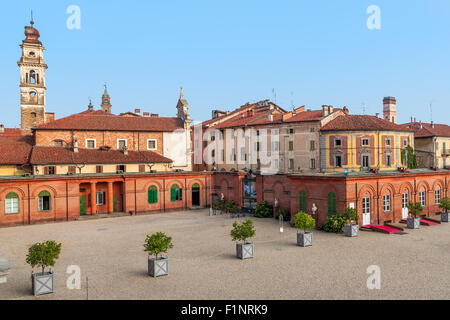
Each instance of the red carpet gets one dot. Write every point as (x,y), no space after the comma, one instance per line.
(385,228)
(428,222)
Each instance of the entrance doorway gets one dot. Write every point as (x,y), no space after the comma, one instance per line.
(195,194)
(366,211)
(405,201)
(249,186)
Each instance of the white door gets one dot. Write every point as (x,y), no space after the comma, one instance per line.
(405,201)
(366,211)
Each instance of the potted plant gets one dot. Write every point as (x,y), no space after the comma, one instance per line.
(351,229)
(241,232)
(263,210)
(4,268)
(217,206)
(230,207)
(284,214)
(154,245)
(304,221)
(413,221)
(43,255)
(444,205)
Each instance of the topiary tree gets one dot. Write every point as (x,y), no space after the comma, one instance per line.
(263,210)
(351,215)
(335,224)
(157,243)
(415,209)
(243,231)
(304,221)
(445,204)
(43,254)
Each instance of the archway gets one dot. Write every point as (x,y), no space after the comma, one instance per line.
(195,194)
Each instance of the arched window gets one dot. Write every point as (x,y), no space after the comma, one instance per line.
(33,114)
(44,201)
(32,77)
(176,193)
(437,195)
(152,194)
(332,204)
(11,203)
(195,187)
(302,204)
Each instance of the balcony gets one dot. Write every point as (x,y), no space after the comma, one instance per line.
(446,152)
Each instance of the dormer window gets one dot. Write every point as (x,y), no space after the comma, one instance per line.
(58,143)
(90,143)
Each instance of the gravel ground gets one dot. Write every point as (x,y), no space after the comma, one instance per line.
(203,265)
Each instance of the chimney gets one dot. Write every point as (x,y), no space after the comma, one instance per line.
(125,151)
(325,111)
(2,128)
(154,115)
(330,109)
(432,124)
(75,145)
(146,114)
(345,109)
(270,117)
(377,114)
(137,111)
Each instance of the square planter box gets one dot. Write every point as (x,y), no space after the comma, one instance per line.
(351,230)
(157,268)
(244,250)
(4,268)
(42,283)
(444,217)
(413,223)
(305,239)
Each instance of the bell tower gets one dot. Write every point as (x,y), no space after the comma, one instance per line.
(32,79)
(182,107)
(390,109)
(106,101)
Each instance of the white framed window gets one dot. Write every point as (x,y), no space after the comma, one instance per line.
(100,196)
(366,205)
(365,142)
(151,144)
(121,143)
(387,202)
(11,203)
(291,164)
(437,196)
(388,142)
(422,198)
(313,163)
(275,145)
(405,142)
(365,161)
(91,143)
(388,160)
(338,161)
(276,164)
(337,142)
(243,157)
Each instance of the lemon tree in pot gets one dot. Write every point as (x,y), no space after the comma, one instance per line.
(155,245)
(415,209)
(305,222)
(43,255)
(240,233)
(351,229)
(445,206)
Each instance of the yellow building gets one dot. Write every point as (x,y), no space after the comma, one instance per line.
(14,152)
(361,143)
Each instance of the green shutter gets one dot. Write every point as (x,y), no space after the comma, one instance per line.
(173,193)
(303,206)
(152,194)
(332,204)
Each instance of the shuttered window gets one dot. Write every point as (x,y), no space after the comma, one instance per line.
(11,203)
(176,193)
(332,204)
(152,194)
(302,201)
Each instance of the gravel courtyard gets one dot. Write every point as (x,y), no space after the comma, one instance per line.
(202,264)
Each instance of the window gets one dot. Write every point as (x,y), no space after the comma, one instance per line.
(11,203)
(388,142)
(121,144)
(58,143)
(276,164)
(44,201)
(405,142)
(387,202)
(366,205)
(243,157)
(422,198)
(71,169)
(121,168)
(365,161)
(99,169)
(176,193)
(91,143)
(49,170)
(257,146)
(100,196)
(257,132)
(337,142)
(365,142)
(332,204)
(151,144)
(275,132)
(437,196)
(312,145)
(338,161)
(291,164)
(142,168)
(312,130)
(33,114)
(291,145)
(313,163)
(275,145)
(388,160)
(152,194)
(291,131)
(302,202)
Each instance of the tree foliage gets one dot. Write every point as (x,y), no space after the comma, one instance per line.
(415,209)
(243,231)
(350,214)
(263,210)
(335,224)
(445,204)
(408,152)
(304,221)
(43,254)
(157,243)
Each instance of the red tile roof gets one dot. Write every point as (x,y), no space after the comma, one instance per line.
(11,132)
(362,122)
(103,121)
(62,155)
(15,149)
(315,115)
(424,130)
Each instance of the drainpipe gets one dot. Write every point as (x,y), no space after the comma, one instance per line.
(356,197)
(164,195)
(185,194)
(378,203)
(67,201)
(135,200)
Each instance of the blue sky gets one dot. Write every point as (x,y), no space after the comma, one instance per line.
(227,53)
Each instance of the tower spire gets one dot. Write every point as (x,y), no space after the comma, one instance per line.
(32,21)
